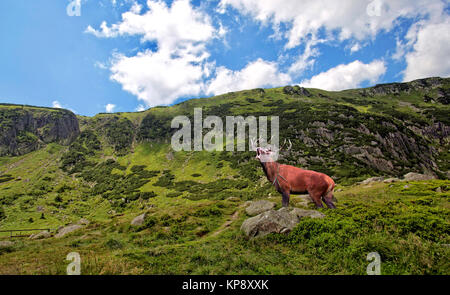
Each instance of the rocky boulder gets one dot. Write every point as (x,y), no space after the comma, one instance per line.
(6,244)
(257,207)
(66,230)
(411,176)
(42,235)
(296,90)
(276,221)
(391,180)
(372,179)
(139,220)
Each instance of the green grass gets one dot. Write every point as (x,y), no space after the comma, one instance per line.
(195,200)
(409,227)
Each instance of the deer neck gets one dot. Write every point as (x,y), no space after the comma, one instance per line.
(270,169)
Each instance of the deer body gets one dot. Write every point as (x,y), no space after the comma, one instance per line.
(292,180)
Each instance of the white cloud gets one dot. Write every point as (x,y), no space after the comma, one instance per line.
(355,47)
(256,74)
(56,104)
(110,107)
(140,108)
(347,76)
(158,78)
(306,59)
(179,65)
(431,46)
(169,26)
(351,19)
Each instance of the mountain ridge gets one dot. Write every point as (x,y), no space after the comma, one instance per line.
(403,120)
(192,204)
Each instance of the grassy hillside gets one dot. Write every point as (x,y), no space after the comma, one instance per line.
(121,165)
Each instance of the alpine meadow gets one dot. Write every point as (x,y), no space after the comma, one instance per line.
(111,188)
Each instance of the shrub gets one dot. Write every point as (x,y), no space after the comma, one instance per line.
(210,211)
(173,195)
(113,244)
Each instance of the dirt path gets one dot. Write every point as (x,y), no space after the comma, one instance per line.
(225,225)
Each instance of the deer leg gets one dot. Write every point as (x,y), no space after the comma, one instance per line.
(316,199)
(285,199)
(329,203)
(328,199)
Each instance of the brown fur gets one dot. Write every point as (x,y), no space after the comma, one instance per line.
(295,180)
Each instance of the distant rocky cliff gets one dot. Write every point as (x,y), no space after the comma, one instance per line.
(389,129)
(24,129)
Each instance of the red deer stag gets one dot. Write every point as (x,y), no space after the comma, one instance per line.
(292,180)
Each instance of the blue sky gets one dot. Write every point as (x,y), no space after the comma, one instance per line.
(127,55)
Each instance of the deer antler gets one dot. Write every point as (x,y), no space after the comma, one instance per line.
(254,143)
(284,143)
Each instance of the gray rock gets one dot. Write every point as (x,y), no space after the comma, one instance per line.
(300,213)
(66,230)
(42,235)
(40,208)
(390,180)
(281,221)
(6,244)
(411,176)
(372,179)
(137,221)
(57,125)
(257,207)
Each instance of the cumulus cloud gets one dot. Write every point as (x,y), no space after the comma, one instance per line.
(140,108)
(178,66)
(305,60)
(109,108)
(349,18)
(158,78)
(331,20)
(169,26)
(259,73)
(56,104)
(347,76)
(429,57)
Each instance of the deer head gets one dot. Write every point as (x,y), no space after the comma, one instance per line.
(268,153)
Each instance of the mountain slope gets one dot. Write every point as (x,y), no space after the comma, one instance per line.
(112,167)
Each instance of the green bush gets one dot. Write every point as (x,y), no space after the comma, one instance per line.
(209,211)
(113,244)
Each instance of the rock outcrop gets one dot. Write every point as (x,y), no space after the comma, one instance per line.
(139,220)
(42,235)
(24,129)
(296,90)
(417,176)
(276,221)
(66,230)
(397,88)
(257,207)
